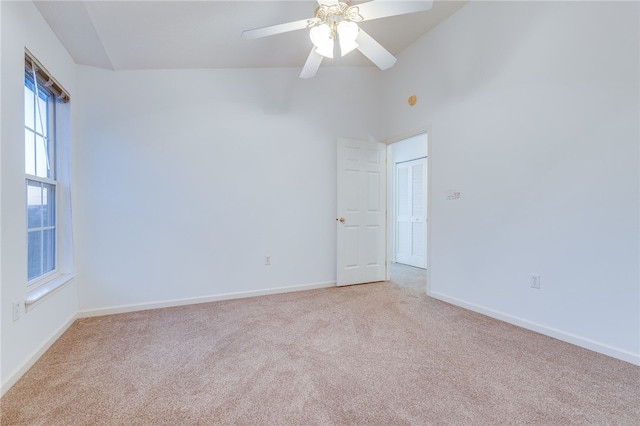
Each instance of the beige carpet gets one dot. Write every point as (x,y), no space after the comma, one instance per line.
(375,354)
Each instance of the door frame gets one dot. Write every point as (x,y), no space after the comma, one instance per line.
(390,166)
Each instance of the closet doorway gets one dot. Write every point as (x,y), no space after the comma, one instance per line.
(408,205)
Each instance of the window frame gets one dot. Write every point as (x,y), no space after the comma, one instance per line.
(49,120)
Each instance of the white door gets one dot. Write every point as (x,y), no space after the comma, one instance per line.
(361,212)
(411,213)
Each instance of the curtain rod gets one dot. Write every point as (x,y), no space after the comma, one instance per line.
(45,77)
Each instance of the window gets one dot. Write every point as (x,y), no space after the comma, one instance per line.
(41,183)
(47,141)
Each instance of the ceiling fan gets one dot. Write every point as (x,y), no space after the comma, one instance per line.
(335,20)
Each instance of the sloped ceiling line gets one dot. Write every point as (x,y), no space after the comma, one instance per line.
(101,47)
(139,35)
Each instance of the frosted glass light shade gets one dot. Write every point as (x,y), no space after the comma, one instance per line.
(326,50)
(321,38)
(347,34)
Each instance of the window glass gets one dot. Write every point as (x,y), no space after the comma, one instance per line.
(35,254)
(34,204)
(48,250)
(48,205)
(29,152)
(28,104)
(40,179)
(41,116)
(41,158)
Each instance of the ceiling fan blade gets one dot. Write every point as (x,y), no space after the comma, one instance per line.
(374,51)
(275,29)
(383,8)
(311,66)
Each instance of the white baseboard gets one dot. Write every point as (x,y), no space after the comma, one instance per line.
(19,372)
(205,299)
(620,354)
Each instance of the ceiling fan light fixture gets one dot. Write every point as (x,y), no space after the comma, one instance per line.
(347,34)
(322,39)
(346,47)
(327,50)
(336,20)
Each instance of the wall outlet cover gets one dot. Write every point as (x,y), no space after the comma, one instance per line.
(534,280)
(16,310)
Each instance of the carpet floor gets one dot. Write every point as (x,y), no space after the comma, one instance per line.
(374,354)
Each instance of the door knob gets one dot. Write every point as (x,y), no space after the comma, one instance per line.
(341,220)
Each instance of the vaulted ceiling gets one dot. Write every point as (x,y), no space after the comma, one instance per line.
(128,35)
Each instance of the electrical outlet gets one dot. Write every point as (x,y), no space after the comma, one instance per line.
(267,260)
(534,281)
(16,310)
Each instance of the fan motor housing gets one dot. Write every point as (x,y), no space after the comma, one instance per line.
(334,14)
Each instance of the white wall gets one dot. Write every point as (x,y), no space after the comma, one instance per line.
(22,340)
(408,149)
(534,115)
(188,179)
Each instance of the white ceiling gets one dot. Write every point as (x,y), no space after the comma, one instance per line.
(127,35)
